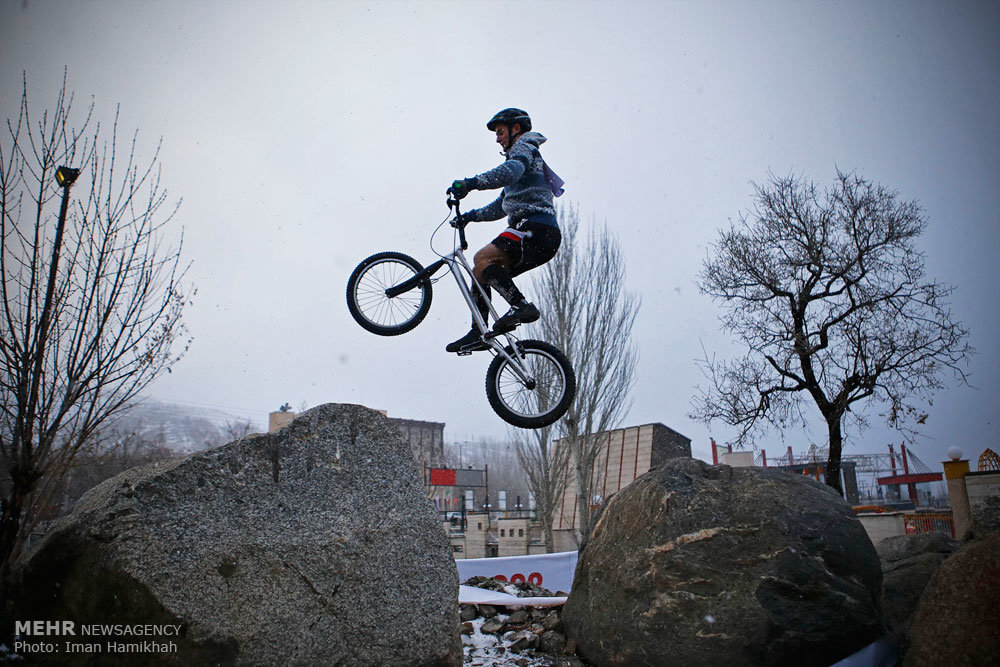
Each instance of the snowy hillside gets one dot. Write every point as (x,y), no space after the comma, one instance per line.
(182,428)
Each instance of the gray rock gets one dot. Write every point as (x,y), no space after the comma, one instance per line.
(552,642)
(711,565)
(552,621)
(904,547)
(492,626)
(312,545)
(522,640)
(959,616)
(908,563)
(519,617)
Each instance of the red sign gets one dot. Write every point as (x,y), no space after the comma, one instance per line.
(534,577)
(442,477)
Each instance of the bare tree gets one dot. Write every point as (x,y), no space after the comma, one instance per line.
(91,302)
(238,428)
(827,292)
(589,316)
(548,471)
(110,455)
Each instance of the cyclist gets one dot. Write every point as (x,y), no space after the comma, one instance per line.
(533,235)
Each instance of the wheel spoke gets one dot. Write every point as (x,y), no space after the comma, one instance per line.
(550,385)
(372,302)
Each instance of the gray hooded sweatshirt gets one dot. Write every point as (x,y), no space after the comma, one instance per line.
(526,193)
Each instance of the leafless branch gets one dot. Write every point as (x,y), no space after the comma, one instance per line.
(589,315)
(91,301)
(827,292)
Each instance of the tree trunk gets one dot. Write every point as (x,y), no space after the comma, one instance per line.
(583,505)
(833,460)
(10,533)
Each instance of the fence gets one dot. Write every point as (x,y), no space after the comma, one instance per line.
(929,523)
(863,509)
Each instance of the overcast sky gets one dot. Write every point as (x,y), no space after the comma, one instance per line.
(304,136)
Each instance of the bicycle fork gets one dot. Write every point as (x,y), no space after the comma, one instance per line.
(516,359)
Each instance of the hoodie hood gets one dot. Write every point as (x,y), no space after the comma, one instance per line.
(533,138)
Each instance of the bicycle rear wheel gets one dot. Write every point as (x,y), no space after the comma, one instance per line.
(373,309)
(531,406)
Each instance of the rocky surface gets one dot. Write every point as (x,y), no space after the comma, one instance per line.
(521,589)
(698,564)
(959,615)
(283,548)
(496,636)
(908,563)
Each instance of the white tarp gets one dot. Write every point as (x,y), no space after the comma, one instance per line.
(555,572)
(473,595)
(551,571)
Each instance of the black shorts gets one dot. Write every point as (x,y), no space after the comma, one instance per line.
(528,245)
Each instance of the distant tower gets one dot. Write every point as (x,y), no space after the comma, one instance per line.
(281,418)
(989,460)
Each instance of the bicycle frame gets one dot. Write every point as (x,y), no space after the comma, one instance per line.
(457,264)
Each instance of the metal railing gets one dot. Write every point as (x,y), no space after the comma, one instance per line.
(926,522)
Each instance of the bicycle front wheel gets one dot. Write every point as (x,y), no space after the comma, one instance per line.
(379,313)
(539,402)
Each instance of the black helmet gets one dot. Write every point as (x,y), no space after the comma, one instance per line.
(509,117)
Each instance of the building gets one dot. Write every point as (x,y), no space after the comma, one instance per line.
(489,537)
(279,419)
(426,440)
(628,454)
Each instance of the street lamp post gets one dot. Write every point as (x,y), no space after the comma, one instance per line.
(65,177)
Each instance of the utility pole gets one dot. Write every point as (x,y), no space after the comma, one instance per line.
(65,177)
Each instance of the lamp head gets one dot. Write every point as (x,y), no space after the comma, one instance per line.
(66,176)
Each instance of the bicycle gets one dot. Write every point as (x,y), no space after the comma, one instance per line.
(529,383)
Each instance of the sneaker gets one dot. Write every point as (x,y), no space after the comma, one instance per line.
(470,342)
(523,313)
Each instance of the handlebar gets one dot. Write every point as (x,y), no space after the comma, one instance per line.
(454,204)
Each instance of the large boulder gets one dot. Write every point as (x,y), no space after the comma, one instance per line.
(694,564)
(958,621)
(313,545)
(908,563)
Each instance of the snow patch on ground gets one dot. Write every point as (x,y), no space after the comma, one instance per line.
(486,650)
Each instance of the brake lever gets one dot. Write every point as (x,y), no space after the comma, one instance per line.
(454,205)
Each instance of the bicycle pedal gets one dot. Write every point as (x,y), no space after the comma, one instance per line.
(464,353)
